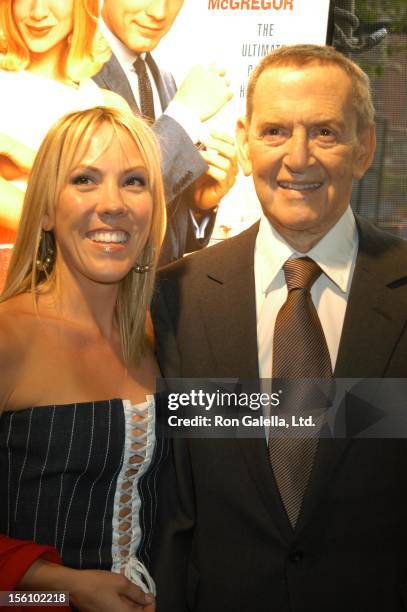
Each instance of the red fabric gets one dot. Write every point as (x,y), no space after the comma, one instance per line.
(16,556)
(7,236)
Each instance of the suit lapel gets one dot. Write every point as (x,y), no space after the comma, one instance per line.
(231,328)
(372,306)
(113,78)
(362,354)
(164,82)
(230,324)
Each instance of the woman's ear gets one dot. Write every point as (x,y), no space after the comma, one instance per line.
(47,224)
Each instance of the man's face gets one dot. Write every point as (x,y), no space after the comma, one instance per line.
(140,24)
(302,147)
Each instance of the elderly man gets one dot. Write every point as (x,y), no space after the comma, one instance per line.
(273,523)
(195,180)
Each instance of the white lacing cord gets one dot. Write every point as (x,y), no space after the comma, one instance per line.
(136,572)
(123,554)
(130,480)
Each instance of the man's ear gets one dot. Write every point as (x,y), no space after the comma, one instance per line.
(242,144)
(365,150)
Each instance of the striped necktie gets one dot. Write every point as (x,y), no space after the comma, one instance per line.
(145,90)
(300,351)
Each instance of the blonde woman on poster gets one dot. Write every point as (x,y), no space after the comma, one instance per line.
(49,50)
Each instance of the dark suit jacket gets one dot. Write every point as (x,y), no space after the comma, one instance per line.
(181,162)
(225,543)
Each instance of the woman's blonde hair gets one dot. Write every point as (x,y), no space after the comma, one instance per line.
(62,149)
(85,54)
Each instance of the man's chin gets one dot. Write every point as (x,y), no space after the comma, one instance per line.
(141,43)
(295,222)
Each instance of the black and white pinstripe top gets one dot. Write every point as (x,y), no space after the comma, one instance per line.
(82,477)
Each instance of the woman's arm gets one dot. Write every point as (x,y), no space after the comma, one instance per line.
(11,204)
(16,161)
(17,556)
(10,356)
(33,567)
(89,590)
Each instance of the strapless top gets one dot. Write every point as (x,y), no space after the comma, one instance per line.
(82,477)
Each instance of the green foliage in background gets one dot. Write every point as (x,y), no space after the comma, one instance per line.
(371,11)
(394,15)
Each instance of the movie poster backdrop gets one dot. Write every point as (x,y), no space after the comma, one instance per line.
(236,34)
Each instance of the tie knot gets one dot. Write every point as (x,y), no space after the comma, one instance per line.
(301,273)
(139,66)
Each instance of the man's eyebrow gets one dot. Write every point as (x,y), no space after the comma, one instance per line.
(272,123)
(328,120)
(317,122)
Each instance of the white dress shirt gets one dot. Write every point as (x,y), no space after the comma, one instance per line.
(336,256)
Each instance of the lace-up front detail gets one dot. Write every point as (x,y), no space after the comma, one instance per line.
(140,427)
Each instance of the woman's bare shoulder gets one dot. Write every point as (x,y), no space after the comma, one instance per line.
(16,321)
(16,318)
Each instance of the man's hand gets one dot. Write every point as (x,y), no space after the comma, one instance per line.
(220,155)
(16,159)
(204,91)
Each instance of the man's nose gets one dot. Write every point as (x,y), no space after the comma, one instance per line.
(158,9)
(39,9)
(298,155)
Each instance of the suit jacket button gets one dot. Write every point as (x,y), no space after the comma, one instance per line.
(295,556)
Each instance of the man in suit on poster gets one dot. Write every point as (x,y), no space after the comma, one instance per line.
(195,180)
(310,291)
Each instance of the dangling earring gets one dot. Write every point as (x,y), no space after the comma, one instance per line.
(142,269)
(45,257)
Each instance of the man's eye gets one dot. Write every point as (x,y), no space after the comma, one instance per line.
(272,131)
(326,134)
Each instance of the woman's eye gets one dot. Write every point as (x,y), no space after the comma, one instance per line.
(135,181)
(82,179)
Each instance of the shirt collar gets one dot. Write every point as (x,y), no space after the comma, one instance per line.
(334,253)
(125,56)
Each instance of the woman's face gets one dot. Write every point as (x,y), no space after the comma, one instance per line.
(43,24)
(103,217)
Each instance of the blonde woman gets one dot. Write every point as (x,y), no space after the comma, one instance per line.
(49,49)
(76,461)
